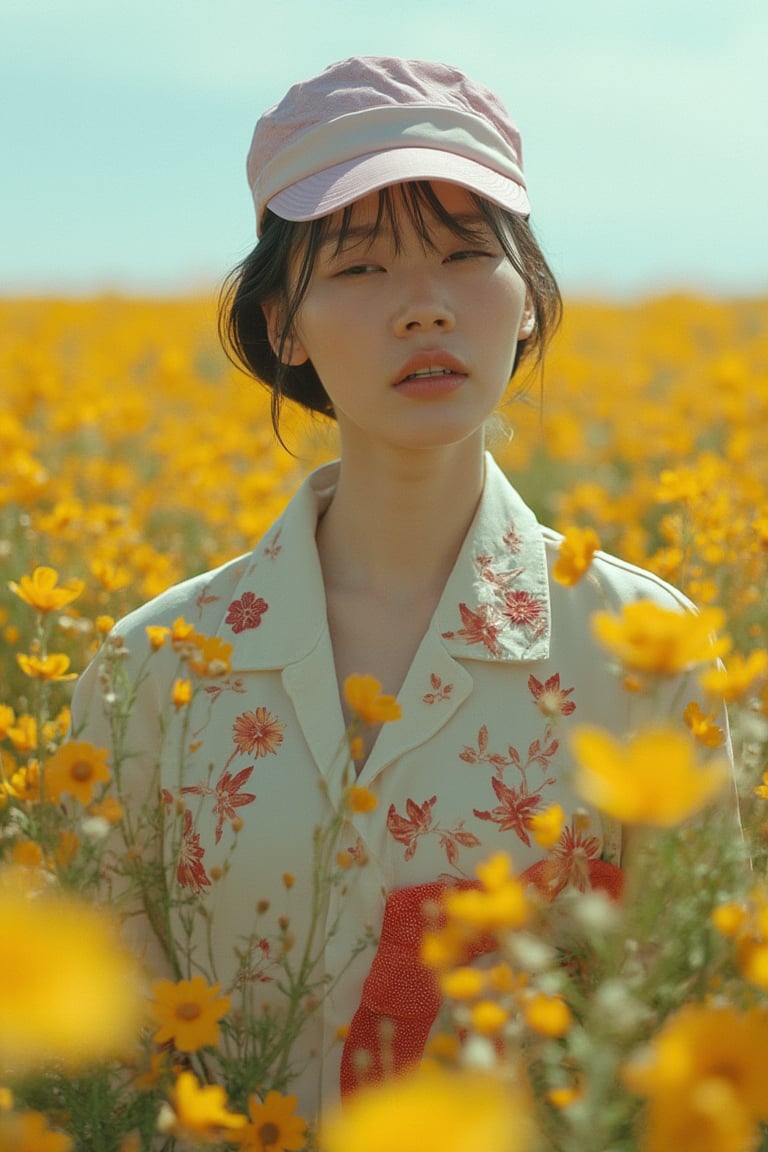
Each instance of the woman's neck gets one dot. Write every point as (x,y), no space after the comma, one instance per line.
(397,522)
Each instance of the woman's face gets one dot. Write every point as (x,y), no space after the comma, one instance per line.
(414,343)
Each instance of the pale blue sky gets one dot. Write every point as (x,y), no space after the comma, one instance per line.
(124,128)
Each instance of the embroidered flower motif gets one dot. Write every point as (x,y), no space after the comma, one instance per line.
(256,733)
(550,699)
(273,549)
(512,538)
(522,609)
(203,600)
(488,573)
(190,870)
(514,810)
(480,627)
(246,612)
(439,691)
(481,755)
(228,796)
(407,829)
(568,864)
(420,822)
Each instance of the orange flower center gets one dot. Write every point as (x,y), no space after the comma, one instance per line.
(81,770)
(268,1134)
(188,1010)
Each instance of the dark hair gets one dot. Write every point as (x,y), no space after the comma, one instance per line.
(267,272)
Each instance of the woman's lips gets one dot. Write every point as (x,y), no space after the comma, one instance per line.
(429,374)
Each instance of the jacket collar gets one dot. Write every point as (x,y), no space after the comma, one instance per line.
(494,607)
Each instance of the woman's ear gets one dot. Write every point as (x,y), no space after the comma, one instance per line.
(293,352)
(528,320)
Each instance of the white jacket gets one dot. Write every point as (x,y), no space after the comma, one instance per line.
(506,668)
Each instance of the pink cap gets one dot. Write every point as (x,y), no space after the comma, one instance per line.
(371,121)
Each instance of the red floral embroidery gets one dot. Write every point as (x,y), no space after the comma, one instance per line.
(512,538)
(419,822)
(499,580)
(522,609)
(550,699)
(537,754)
(246,612)
(256,733)
(407,830)
(568,863)
(480,627)
(190,871)
(255,964)
(515,808)
(228,796)
(481,755)
(215,690)
(439,691)
(203,600)
(273,549)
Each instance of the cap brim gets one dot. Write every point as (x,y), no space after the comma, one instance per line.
(327,191)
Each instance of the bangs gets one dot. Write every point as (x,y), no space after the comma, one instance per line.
(413,206)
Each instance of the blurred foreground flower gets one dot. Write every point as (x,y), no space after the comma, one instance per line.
(660,641)
(575,556)
(365,698)
(29,1132)
(199,1111)
(69,994)
(706,1079)
(432,1111)
(651,779)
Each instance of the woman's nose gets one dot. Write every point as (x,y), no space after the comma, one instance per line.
(424,309)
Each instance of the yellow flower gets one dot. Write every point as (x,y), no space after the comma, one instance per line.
(361,799)
(23,734)
(273,1126)
(546,826)
(53,667)
(660,641)
(199,1111)
(68,991)
(432,1109)
(547,1015)
(501,903)
(41,592)
(188,1012)
(29,1132)
(27,854)
(7,720)
(109,809)
(104,624)
(181,634)
(488,1017)
(703,727)
(652,779)
(181,694)
(575,555)
(704,1077)
(157,635)
(462,983)
(740,675)
(210,656)
(76,768)
(364,696)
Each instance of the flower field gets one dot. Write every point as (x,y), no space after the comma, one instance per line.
(132,455)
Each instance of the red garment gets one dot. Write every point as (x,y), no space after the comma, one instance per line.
(401,999)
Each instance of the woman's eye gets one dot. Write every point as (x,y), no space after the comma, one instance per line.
(358,269)
(468,254)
